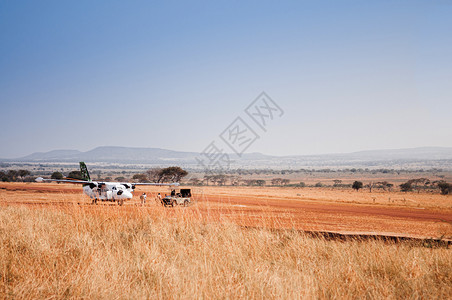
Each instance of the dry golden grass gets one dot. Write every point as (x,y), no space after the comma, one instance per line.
(109,252)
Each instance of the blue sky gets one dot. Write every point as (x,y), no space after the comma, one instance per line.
(349,75)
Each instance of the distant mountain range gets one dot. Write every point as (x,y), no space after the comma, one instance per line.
(110,154)
(411,157)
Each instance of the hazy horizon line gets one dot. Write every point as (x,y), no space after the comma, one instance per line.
(254,152)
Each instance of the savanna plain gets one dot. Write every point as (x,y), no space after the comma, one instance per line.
(233,242)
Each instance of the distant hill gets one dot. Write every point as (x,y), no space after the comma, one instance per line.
(427,153)
(423,157)
(412,157)
(122,155)
(408,154)
(51,155)
(111,154)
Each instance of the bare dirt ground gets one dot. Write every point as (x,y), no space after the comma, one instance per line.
(423,215)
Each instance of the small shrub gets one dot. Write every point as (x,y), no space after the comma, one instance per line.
(446,188)
(357,185)
(406,187)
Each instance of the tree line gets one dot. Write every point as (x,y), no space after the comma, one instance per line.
(16,175)
(157,175)
(176,174)
(416,184)
(245,172)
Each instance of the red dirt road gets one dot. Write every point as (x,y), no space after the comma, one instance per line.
(335,217)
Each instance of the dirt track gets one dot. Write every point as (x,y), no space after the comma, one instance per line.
(336,211)
(343,217)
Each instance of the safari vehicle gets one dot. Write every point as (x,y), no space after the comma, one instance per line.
(178,197)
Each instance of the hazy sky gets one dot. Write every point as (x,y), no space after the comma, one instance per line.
(349,75)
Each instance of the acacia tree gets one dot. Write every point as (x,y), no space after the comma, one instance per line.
(235,180)
(140,177)
(23,173)
(419,182)
(405,187)
(384,185)
(56,175)
(3,176)
(11,175)
(370,186)
(221,179)
(276,181)
(75,175)
(260,182)
(153,174)
(171,174)
(337,182)
(207,178)
(416,184)
(195,181)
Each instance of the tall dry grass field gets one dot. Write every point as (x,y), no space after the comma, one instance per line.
(114,253)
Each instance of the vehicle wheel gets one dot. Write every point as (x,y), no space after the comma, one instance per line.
(174,203)
(121,202)
(186,203)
